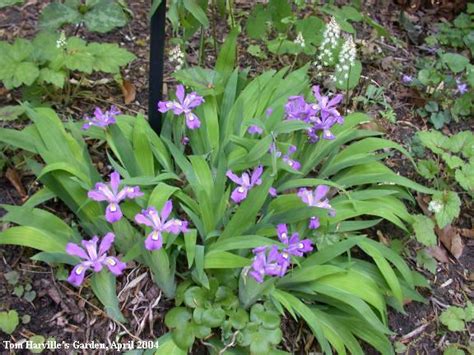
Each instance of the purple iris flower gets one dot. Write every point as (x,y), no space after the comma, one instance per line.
(101,119)
(273,149)
(272,192)
(322,114)
(317,198)
(259,263)
(111,193)
(272,264)
(297,109)
(93,258)
(314,223)
(295,246)
(254,129)
(159,223)
(272,261)
(291,163)
(461,87)
(185,140)
(322,123)
(184,105)
(407,79)
(326,107)
(269,112)
(246,183)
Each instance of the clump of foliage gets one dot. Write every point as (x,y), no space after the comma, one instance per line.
(458,34)
(282,32)
(446,78)
(456,318)
(253,199)
(446,83)
(456,153)
(5,3)
(375,96)
(49,61)
(97,15)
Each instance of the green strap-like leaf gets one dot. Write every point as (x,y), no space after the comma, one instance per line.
(103,285)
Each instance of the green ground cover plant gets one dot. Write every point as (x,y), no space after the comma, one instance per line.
(250,205)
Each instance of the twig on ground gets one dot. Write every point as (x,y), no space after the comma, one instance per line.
(414,332)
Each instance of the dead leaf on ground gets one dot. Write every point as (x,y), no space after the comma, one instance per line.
(383,239)
(387,63)
(129,92)
(451,239)
(14,178)
(438,253)
(372,126)
(423,202)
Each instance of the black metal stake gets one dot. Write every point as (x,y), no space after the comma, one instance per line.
(157,53)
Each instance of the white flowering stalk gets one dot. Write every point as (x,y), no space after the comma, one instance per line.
(61,42)
(177,57)
(329,44)
(300,40)
(347,57)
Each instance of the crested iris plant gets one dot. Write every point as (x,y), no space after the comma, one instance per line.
(94,256)
(242,214)
(101,118)
(159,223)
(112,194)
(246,182)
(274,261)
(184,105)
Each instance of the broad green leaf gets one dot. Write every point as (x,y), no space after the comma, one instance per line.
(79,58)
(105,16)
(465,177)
(456,62)
(256,26)
(453,318)
(10,113)
(25,73)
(57,78)
(343,83)
(9,321)
(279,9)
(56,14)
(449,207)
(424,230)
(109,57)
(21,50)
